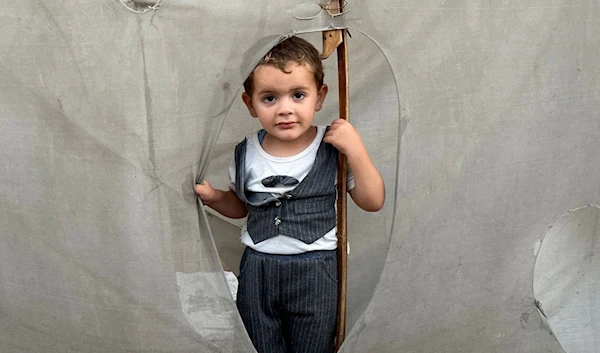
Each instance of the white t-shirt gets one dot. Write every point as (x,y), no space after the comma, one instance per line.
(259,165)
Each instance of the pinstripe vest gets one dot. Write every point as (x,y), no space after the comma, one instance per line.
(306,213)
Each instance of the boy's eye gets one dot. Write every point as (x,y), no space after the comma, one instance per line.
(269,99)
(299,95)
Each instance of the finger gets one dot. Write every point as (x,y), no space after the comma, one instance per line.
(334,127)
(202,186)
(328,139)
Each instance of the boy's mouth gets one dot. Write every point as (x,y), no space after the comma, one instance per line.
(286,125)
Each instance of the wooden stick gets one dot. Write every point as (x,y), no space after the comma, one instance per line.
(342,229)
(337,39)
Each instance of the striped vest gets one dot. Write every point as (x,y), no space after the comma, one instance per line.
(306,213)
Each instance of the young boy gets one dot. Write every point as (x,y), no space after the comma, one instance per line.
(283,178)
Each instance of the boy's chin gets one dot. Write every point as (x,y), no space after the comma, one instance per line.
(286,137)
(290,135)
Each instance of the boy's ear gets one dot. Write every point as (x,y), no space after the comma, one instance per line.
(321,97)
(248,101)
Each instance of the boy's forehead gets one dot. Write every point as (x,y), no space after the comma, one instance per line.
(271,75)
(289,66)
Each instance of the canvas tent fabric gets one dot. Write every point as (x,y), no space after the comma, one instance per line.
(482,116)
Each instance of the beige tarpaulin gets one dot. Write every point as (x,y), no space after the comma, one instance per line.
(482,116)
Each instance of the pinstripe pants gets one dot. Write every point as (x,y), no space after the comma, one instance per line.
(289,302)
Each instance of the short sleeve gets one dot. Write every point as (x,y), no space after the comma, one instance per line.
(232,172)
(350,180)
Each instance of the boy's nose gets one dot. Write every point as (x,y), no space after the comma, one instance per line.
(284,107)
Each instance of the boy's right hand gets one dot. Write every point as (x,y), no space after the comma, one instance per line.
(206,192)
(225,202)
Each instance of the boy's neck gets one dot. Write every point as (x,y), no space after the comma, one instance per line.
(279,148)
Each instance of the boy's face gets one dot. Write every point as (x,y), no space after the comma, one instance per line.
(285,103)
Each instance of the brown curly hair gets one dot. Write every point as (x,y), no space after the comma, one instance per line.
(294,49)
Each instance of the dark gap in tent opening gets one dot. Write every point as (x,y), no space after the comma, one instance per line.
(145,3)
(375,113)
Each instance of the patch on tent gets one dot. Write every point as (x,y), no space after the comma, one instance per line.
(306,11)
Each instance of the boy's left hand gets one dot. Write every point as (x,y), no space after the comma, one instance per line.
(369,191)
(343,136)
